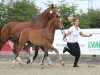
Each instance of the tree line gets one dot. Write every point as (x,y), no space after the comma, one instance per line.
(25,10)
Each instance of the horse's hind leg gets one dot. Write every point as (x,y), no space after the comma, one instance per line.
(36,52)
(26,49)
(16,55)
(52,48)
(16,51)
(16,58)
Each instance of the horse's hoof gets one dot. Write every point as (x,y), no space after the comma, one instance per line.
(42,67)
(28,61)
(21,64)
(50,64)
(12,66)
(31,62)
(63,64)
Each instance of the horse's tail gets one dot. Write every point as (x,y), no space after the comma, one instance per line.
(0,36)
(0,32)
(4,34)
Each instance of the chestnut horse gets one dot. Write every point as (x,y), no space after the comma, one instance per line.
(12,30)
(42,38)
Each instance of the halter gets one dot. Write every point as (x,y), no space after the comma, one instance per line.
(64,35)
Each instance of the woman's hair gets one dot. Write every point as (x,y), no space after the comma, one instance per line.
(75,18)
(72,19)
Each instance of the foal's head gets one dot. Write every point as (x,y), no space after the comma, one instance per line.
(57,22)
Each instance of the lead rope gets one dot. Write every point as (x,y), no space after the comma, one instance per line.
(64,35)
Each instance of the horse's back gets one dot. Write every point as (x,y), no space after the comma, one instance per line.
(8,26)
(15,27)
(32,35)
(20,27)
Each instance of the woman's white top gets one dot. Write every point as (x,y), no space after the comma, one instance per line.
(72,38)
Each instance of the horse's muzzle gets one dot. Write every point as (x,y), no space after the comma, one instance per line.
(62,28)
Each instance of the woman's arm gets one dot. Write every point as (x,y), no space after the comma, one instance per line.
(67,33)
(85,35)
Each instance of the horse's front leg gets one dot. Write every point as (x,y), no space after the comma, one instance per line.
(48,58)
(45,54)
(35,55)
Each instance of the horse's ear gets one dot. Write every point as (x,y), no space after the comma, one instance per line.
(52,6)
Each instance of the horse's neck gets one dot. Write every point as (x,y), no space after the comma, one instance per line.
(44,18)
(49,35)
(41,21)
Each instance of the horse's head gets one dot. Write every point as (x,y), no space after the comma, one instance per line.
(51,12)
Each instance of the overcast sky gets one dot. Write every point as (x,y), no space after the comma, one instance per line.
(82,4)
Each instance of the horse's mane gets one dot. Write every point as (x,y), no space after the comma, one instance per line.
(34,19)
(1,28)
(49,23)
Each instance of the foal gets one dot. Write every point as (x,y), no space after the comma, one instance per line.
(42,38)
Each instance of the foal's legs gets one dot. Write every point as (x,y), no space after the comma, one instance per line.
(36,53)
(52,48)
(22,41)
(26,49)
(45,54)
(48,58)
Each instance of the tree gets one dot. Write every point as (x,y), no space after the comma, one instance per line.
(94,16)
(19,10)
(90,19)
(2,11)
(66,11)
(84,20)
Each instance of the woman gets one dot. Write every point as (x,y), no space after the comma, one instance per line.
(72,44)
